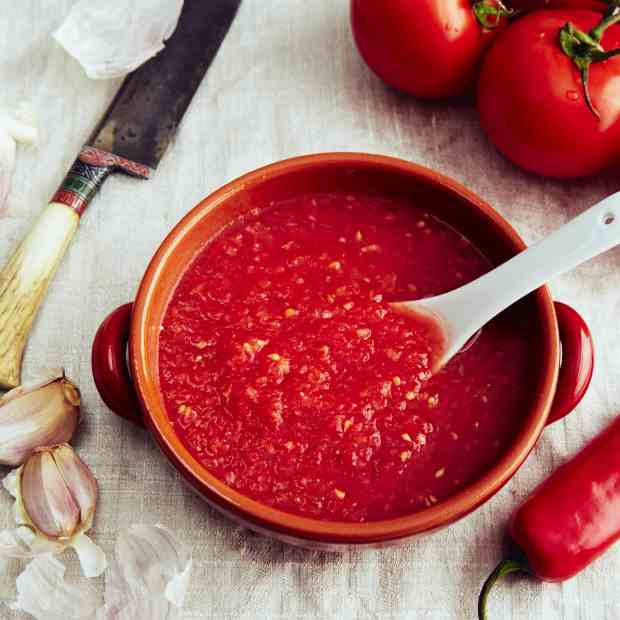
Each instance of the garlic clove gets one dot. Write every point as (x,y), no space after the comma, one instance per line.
(55,500)
(42,414)
(46,501)
(79,480)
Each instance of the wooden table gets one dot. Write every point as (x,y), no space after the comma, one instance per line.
(287,81)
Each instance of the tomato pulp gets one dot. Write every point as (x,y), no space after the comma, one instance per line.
(286,373)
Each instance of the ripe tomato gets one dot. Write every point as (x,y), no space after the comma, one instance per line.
(429,48)
(535,5)
(531,98)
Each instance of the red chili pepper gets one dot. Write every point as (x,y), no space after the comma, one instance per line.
(570,519)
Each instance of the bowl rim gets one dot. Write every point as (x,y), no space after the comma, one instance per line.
(270,519)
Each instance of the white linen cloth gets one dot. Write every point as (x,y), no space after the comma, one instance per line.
(287,81)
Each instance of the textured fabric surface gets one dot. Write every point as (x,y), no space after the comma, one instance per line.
(287,81)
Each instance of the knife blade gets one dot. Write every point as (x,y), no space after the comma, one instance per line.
(131,138)
(145,113)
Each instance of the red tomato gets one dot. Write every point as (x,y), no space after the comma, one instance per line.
(429,48)
(531,99)
(534,5)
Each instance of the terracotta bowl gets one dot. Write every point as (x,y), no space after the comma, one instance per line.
(134,392)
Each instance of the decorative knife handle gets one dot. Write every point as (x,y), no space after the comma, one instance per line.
(25,278)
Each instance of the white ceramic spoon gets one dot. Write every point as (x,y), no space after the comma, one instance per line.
(461,313)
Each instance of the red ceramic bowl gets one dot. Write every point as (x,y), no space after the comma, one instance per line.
(134,392)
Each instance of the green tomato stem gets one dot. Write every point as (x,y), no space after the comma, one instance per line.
(503,568)
(600,56)
(585,80)
(489,14)
(584,48)
(610,18)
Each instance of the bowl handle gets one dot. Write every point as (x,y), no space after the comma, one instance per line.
(110,369)
(577,362)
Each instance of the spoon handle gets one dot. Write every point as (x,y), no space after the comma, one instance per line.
(470,307)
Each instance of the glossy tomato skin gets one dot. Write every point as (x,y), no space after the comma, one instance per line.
(531,102)
(428,48)
(537,5)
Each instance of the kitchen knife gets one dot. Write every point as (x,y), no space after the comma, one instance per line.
(131,138)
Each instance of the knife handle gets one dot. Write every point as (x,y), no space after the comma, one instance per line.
(27,275)
(24,281)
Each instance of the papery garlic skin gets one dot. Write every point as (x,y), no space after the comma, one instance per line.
(31,417)
(56,498)
(110,39)
(17,126)
(43,593)
(148,576)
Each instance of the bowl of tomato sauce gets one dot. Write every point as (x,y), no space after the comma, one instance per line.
(263,355)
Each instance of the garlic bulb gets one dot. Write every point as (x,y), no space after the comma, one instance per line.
(44,414)
(56,498)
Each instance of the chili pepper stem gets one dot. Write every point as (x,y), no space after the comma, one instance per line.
(503,568)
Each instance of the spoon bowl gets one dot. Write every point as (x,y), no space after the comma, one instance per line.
(459,314)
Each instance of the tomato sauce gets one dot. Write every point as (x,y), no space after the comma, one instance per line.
(285,372)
